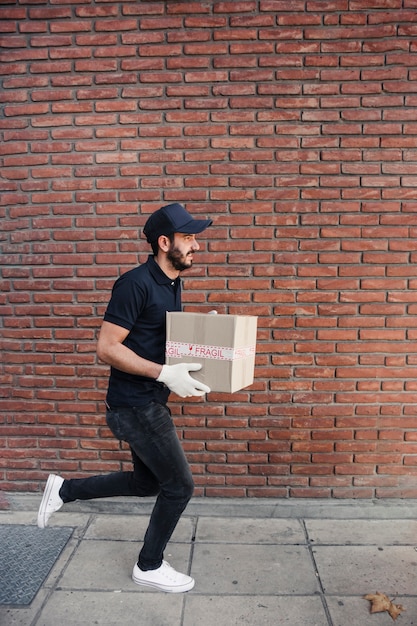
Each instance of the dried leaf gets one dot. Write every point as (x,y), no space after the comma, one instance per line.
(380,603)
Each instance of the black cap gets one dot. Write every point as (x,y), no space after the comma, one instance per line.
(171,219)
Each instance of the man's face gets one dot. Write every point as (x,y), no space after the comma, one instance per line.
(181,251)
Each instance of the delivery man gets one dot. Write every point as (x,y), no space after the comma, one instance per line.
(132,341)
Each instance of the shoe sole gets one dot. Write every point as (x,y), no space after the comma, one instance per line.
(42,522)
(166,588)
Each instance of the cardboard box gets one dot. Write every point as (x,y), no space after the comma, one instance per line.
(224,344)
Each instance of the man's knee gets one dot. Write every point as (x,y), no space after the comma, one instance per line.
(180,489)
(189,487)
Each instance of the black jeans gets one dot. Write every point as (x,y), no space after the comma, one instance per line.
(159,467)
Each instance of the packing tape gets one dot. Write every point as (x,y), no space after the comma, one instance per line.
(180,349)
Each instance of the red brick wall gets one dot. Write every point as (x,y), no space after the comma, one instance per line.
(293,124)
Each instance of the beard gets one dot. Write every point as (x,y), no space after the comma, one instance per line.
(178,260)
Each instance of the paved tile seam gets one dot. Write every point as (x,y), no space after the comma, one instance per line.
(317,573)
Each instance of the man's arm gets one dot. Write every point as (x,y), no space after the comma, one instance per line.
(111,350)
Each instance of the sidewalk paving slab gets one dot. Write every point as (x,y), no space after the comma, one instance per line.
(253,569)
(107,565)
(110,608)
(365,567)
(254,610)
(358,532)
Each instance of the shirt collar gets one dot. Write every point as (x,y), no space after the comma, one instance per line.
(158,275)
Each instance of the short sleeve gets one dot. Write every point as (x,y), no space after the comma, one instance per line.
(126,302)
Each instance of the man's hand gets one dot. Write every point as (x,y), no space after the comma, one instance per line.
(177,379)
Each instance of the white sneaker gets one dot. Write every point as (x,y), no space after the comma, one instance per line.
(51,500)
(165,578)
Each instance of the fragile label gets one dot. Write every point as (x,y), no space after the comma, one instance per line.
(179,349)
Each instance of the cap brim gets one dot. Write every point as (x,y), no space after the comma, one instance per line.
(194,226)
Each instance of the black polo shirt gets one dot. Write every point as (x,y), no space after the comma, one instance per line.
(139,302)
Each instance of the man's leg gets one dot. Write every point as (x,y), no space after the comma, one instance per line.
(159,448)
(141,483)
(176,489)
(151,434)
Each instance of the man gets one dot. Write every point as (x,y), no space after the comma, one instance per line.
(132,341)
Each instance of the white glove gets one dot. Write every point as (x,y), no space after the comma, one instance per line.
(178,380)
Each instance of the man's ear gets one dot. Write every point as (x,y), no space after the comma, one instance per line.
(164,243)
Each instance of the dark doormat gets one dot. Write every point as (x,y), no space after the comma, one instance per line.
(27,555)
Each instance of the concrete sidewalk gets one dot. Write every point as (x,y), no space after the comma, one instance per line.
(255,562)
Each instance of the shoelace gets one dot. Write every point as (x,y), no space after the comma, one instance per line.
(170,572)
